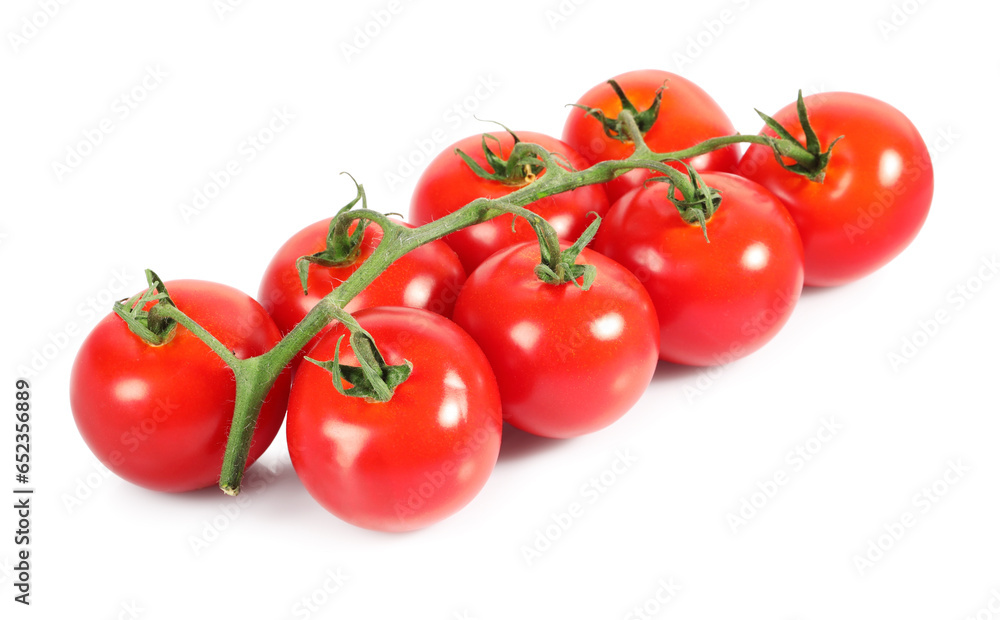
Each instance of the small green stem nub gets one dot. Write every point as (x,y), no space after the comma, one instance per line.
(374,379)
(342,245)
(810,160)
(515,170)
(151,325)
(614,127)
(698,209)
(566,268)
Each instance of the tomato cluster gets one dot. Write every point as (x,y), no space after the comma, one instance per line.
(697,269)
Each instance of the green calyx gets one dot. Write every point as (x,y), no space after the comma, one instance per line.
(558,269)
(374,380)
(522,167)
(697,208)
(786,145)
(644,120)
(150,325)
(342,245)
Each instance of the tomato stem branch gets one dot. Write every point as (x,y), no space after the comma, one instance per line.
(785,148)
(254,376)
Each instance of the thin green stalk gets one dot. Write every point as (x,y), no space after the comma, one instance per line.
(254,378)
(785,147)
(173,312)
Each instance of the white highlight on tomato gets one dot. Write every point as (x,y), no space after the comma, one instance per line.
(608,327)
(349,439)
(890,168)
(450,413)
(526,335)
(562,224)
(131,389)
(453,409)
(418,292)
(755,257)
(652,260)
(453,380)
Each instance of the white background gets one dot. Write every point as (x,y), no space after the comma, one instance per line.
(703,443)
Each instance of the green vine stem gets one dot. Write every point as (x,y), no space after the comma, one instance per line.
(255,376)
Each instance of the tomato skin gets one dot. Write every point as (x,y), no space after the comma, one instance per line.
(688,115)
(568,361)
(449,184)
(717,301)
(159,416)
(428,277)
(410,462)
(877,190)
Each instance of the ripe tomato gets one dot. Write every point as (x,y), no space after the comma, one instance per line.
(429,278)
(688,115)
(449,184)
(159,416)
(567,361)
(414,460)
(716,301)
(876,193)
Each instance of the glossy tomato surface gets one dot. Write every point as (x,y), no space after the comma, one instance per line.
(876,194)
(428,277)
(159,416)
(410,462)
(449,183)
(688,115)
(567,361)
(717,301)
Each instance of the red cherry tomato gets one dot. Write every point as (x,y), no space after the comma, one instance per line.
(876,193)
(688,115)
(449,184)
(414,460)
(429,278)
(567,361)
(716,301)
(159,416)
